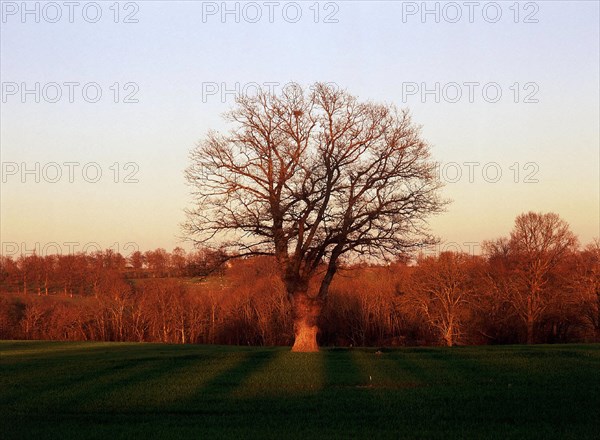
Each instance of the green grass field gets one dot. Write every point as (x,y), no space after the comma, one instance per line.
(111,391)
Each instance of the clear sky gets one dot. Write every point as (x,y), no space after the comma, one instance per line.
(180,58)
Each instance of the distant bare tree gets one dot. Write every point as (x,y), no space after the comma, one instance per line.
(537,244)
(158,262)
(137,260)
(443,288)
(309,177)
(586,284)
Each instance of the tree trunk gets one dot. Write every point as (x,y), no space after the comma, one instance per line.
(449,336)
(305,312)
(530,323)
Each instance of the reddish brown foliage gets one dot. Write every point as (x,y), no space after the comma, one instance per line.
(446,299)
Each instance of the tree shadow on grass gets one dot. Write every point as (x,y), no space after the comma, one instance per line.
(125,385)
(140,380)
(270,394)
(287,374)
(236,393)
(351,403)
(218,392)
(22,349)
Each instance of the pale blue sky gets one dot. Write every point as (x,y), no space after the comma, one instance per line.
(370,51)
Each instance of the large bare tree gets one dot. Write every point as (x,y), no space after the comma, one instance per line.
(310,176)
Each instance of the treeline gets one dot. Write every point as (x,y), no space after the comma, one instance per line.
(523,289)
(81,274)
(447,299)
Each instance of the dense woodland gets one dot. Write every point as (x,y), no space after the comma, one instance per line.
(509,294)
(447,299)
